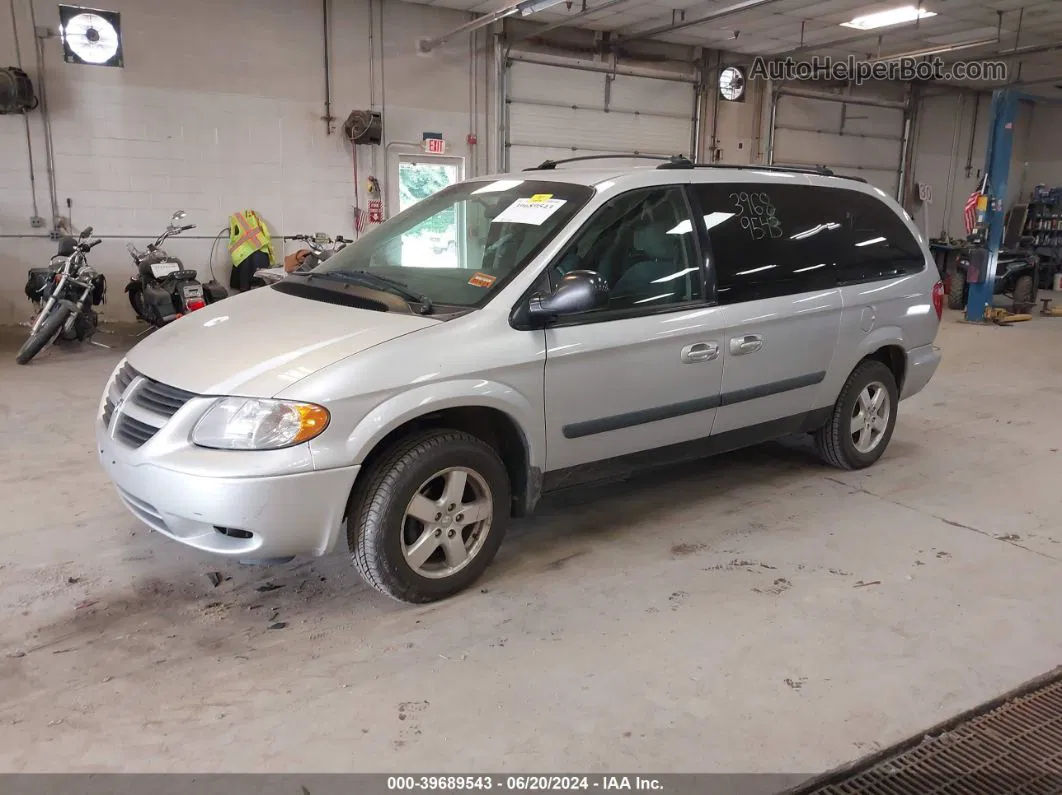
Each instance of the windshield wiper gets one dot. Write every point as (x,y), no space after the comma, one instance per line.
(381,282)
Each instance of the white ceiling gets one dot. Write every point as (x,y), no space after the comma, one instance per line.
(814,26)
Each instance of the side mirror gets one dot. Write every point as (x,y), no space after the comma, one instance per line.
(578,291)
(86,232)
(177,216)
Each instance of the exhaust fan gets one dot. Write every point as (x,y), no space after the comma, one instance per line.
(90,36)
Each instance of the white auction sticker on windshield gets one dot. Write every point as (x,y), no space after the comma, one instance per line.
(532,211)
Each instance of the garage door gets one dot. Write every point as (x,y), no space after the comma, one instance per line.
(556,111)
(857,140)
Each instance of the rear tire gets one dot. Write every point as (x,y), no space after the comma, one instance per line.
(397,553)
(46,333)
(1024,290)
(956,289)
(854,438)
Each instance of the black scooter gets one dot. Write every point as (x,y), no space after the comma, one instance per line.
(163,290)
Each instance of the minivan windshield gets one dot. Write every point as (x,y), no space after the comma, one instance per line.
(459,245)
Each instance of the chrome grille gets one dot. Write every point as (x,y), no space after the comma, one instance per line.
(158,402)
(122,379)
(133,432)
(160,398)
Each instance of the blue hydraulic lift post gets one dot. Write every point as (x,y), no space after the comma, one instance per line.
(997,166)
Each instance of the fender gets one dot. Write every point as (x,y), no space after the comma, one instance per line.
(878,338)
(409,405)
(134,285)
(840,369)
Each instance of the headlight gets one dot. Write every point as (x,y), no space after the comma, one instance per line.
(259,424)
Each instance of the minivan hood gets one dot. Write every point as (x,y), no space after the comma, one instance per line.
(260,342)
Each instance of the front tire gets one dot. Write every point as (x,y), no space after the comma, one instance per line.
(863,418)
(429,516)
(136,300)
(46,333)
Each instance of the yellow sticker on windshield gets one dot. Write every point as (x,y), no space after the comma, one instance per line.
(541,197)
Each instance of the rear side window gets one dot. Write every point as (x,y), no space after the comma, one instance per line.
(769,239)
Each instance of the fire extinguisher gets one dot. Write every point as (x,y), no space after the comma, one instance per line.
(375,201)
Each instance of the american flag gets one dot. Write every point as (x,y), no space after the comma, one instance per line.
(969,211)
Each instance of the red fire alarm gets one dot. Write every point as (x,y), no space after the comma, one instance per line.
(471,139)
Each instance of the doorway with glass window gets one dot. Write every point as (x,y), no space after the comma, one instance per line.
(435,242)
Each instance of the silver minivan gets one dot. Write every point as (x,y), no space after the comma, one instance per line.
(591,321)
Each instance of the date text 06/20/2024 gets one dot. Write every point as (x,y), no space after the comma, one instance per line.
(543,783)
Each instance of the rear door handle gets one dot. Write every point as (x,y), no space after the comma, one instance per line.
(750,343)
(699,352)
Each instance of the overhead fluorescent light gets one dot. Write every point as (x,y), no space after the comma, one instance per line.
(529,7)
(891,16)
(871,242)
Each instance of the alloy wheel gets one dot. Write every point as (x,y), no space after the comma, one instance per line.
(870,417)
(447,522)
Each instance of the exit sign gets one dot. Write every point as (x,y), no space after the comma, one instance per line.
(434,144)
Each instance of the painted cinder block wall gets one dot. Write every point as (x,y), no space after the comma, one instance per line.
(219,108)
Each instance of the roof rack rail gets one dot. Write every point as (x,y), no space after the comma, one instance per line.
(550,165)
(681,162)
(822,171)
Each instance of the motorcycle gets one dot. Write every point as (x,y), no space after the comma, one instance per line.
(318,253)
(163,289)
(65,293)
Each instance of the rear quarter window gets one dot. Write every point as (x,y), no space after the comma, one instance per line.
(770,239)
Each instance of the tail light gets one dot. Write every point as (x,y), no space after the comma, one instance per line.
(199,303)
(938,299)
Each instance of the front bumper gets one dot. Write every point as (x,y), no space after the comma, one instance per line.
(922,363)
(247,505)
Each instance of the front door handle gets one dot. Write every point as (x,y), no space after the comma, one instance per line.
(699,352)
(750,343)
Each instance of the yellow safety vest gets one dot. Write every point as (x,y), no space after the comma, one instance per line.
(248,234)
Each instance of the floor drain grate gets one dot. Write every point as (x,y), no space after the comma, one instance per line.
(1009,746)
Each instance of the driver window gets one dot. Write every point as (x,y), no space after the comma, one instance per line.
(642,243)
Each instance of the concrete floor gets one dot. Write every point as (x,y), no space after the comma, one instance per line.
(753,613)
